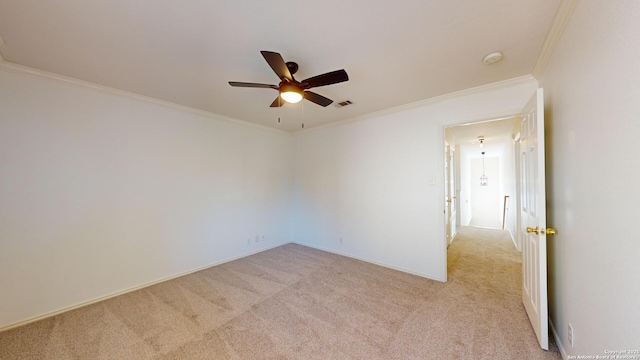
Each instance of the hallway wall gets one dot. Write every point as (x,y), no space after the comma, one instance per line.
(486,206)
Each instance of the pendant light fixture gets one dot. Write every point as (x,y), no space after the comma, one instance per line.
(483,178)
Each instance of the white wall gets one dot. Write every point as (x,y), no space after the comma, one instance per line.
(466,153)
(508,188)
(504,177)
(367,181)
(591,93)
(486,201)
(458,183)
(100,193)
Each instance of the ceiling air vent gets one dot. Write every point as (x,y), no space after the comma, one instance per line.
(345,103)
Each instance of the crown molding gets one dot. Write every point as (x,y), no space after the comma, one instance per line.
(453,95)
(25,70)
(556,30)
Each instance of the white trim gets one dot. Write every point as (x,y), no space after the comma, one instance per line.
(560,21)
(1,46)
(370,262)
(487,120)
(443,190)
(466,92)
(513,239)
(25,70)
(135,288)
(564,354)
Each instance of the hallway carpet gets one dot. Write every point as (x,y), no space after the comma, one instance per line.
(295,302)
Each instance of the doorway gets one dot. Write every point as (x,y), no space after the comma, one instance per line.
(481,180)
(522,149)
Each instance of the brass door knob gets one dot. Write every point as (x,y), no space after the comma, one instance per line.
(536,230)
(533,230)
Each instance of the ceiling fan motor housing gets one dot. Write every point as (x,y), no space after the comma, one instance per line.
(292,66)
(286,86)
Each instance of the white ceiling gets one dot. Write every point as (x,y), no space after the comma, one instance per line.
(185,52)
(497,135)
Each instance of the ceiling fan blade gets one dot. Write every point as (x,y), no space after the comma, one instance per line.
(252,85)
(278,65)
(318,99)
(277,102)
(329,78)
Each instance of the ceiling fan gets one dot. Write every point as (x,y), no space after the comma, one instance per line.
(290,89)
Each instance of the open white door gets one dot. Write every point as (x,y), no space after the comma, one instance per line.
(533,228)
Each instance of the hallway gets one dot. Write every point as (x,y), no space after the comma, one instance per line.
(484,278)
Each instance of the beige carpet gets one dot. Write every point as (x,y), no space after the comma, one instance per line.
(295,302)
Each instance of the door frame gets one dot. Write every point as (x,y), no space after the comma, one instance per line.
(443,190)
(519,219)
(451,192)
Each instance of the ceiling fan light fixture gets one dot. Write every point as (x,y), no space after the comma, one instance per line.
(291,93)
(291,90)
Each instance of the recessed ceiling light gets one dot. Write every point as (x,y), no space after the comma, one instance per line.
(492,58)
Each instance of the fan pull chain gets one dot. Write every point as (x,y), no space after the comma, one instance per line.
(279,107)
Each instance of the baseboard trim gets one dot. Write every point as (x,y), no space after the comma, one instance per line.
(513,239)
(371,262)
(564,354)
(135,288)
